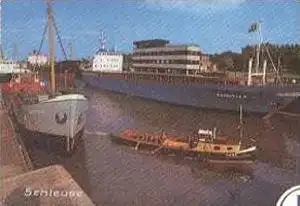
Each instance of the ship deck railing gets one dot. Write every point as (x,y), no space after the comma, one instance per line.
(202,75)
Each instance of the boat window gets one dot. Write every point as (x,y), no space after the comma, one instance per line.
(216,148)
(229,148)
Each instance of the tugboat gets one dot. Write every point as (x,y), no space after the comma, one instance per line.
(39,110)
(204,145)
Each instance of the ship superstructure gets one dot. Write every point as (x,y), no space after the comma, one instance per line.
(9,67)
(105,60)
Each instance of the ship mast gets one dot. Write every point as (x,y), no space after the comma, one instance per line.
(1,48)
(258,51)
(102,41)
(51,43)
(15,52)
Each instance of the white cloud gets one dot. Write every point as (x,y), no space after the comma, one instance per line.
(197,1)
(195,6)
(224,1)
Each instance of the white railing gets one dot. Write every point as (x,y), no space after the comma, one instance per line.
(205,132)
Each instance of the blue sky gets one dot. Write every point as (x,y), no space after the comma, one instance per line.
(216,26)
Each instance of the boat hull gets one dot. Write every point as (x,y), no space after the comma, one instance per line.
(64,115)
(260,99)
(247,157)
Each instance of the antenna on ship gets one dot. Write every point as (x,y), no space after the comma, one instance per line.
(102,41)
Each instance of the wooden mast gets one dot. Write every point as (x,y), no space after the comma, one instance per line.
(1,47)
(51,44)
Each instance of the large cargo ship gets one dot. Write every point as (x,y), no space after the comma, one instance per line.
(175,74)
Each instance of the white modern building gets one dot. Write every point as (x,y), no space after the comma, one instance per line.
(38,59)
(158,56)
(107,62)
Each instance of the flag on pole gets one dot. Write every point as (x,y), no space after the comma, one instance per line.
(253,27)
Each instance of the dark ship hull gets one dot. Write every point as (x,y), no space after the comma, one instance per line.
(255,99)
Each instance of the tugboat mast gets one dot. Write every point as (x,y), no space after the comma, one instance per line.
(241,123)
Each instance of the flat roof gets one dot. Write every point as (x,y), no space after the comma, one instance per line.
(159,43)
(151,41)
(108,53)
(184,45)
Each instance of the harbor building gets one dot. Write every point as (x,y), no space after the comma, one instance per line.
(206,65)
(106,61)
(158,56)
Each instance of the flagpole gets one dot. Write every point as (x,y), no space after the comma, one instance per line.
(260,31)
(267,49)
(258,47)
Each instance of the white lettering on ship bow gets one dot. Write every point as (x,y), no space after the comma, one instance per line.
(232,96)
(288,94)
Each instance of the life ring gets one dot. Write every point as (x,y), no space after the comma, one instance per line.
(60,120)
